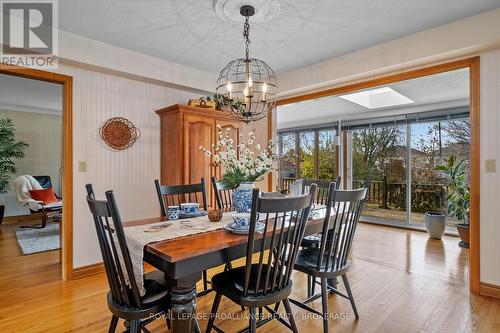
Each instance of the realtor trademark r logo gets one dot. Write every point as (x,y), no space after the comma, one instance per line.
(27,27)
(29,33)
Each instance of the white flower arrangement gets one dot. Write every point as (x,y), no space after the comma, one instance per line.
(245,162)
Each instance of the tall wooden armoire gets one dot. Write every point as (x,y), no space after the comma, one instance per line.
(183,130)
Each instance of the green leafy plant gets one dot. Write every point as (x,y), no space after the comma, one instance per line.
(458,191)
(222,101)
(10,150)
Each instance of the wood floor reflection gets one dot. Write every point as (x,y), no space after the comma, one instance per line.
(402,282)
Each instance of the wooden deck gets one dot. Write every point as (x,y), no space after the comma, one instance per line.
(395,215)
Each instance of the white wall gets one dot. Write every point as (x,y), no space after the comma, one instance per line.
(490,182)
(43,134)
(97,97)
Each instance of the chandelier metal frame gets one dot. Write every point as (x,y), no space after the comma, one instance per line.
(246,87)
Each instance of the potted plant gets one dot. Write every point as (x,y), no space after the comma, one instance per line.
(458,196)
(243,165)
(10,150)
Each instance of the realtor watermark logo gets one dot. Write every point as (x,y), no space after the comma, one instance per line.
(29,33)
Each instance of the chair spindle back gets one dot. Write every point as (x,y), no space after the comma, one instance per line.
(333,255)
(223,194)
(174,195)
(285,223)
(114,250)
(323,188)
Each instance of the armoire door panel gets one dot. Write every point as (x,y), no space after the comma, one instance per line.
(198,131)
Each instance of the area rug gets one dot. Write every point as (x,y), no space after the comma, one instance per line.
(39,240)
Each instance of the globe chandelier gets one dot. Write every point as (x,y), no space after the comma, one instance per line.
(246,87)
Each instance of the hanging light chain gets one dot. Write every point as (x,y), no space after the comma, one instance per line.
(246,35)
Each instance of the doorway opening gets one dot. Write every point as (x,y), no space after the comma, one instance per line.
(36,231)
(392,133)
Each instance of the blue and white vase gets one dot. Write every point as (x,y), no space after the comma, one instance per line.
(242,197)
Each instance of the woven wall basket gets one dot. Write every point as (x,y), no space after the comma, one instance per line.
(119,133)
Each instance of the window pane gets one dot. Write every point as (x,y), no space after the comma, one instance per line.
(433,143)
(326,154)
(379,156)
(288,167)
(306,155)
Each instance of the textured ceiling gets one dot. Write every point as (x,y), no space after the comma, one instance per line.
(449,89)
(304,32)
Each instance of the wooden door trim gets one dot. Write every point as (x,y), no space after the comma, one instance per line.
(269,138)
(344,158)
(387,79)
(473,64)
(474,254)
(67,189)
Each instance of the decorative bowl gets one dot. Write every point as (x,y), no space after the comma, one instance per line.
(215,215)
(190,207)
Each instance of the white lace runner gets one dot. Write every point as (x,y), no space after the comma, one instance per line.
(139,236)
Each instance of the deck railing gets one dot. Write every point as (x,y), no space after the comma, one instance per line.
(385,194)
(286,182)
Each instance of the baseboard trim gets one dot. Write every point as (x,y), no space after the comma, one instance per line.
(88,270)
(488,289)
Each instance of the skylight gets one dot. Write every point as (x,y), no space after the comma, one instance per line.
(377,98)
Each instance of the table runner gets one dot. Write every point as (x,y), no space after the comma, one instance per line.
(138,237)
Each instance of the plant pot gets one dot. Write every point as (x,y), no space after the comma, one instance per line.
(463,231)
(2,212)
(435,223)
(242,197)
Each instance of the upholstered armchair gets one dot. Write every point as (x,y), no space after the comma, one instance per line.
(52,208)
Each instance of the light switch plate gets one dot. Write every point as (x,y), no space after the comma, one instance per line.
(490,165)
(82,166)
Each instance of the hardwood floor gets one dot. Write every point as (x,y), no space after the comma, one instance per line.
(402,282)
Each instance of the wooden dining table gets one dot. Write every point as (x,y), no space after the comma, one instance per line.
(184,259)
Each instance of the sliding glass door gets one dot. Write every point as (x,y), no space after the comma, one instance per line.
(309,153)
(433,143)
(395,156)
(379,159)
(327,156)
(398,162)
(288,162)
